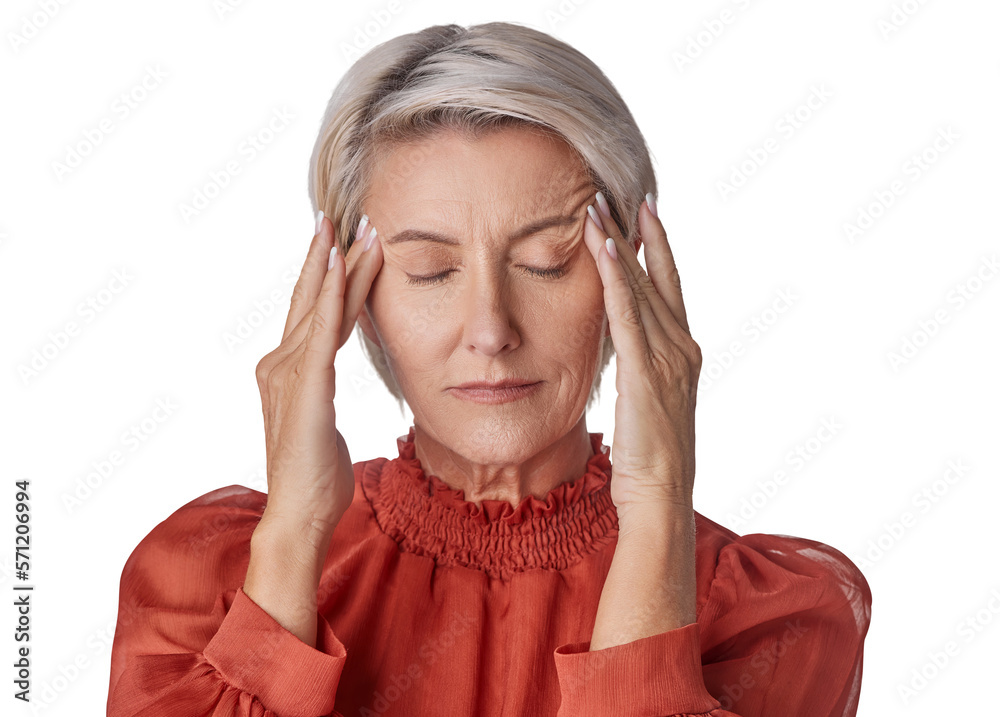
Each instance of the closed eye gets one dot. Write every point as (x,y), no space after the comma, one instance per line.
(554,273)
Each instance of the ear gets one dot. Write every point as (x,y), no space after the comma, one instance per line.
(366,326)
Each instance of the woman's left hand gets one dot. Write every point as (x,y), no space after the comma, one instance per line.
(658,364)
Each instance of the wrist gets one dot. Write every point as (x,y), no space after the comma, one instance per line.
(299,522)
(650,587)
(282,579)
(659,517)
(298,541)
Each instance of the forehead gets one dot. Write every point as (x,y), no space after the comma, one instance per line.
(522,169)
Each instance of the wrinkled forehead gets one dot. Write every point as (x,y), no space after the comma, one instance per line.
(514,169)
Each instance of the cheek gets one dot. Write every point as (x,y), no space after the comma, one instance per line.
(571,314)
(408,321)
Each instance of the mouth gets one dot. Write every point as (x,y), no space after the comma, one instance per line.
(492,385)
(485,392)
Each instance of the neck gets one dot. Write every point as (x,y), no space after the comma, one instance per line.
(509,467)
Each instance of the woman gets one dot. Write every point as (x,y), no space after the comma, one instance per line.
(499,565)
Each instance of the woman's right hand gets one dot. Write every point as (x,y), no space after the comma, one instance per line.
(310,476)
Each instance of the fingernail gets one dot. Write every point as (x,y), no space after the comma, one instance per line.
(360,233)
(610,244)
(319,221)
(603,204)
(651,203)
(370,241)
(333,257)
(593,215)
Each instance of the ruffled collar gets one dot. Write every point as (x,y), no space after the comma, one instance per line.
(426,516)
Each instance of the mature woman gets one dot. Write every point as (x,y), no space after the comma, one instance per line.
(482,193)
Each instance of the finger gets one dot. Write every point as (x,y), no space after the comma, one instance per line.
(362,268)
(633,326)
(320,344)
(642,284)
(311,277)
(660,259)
(604,211)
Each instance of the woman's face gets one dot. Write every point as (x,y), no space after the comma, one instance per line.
(508,289)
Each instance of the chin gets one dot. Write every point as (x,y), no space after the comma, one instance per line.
(497,439)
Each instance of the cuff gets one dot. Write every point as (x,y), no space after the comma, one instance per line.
(255,654)
(649,677)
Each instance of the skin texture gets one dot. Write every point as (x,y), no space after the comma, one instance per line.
(489,317)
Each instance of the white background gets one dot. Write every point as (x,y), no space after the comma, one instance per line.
(896,74)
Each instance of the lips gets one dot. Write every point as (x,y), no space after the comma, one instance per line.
(496,392)
(494,385)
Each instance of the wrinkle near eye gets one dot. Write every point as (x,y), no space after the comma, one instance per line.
(563,248)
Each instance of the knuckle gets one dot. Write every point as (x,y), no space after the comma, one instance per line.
(297,371)
(320,324)
(631,316)
(298,293)
(645,282)
(637,289)
(263,370)
(694,350)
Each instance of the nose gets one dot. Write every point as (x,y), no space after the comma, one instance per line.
(491,324)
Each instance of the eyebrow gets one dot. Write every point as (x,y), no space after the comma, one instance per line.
(522,233)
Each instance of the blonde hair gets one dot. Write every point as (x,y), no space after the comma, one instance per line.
(474,79)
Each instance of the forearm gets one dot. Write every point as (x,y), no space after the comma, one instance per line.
(650,587)
(283,576)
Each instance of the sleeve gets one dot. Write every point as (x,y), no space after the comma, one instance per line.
(780,634)
(190,642)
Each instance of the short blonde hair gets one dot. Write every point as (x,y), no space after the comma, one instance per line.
(474,79)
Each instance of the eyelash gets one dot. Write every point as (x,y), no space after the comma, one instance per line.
(437,278)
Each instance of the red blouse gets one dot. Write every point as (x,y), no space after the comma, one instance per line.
(430,605)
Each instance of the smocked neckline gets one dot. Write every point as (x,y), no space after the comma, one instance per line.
(428,517)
